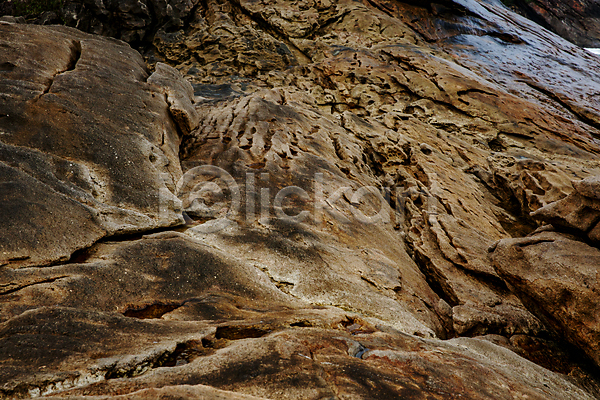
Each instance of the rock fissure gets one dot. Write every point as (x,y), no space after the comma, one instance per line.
(6,289)
(72,64)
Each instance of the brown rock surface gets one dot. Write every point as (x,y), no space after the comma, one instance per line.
(88,147)
(557,278)
(369,154)
(576,20)
(580,211)
(311,363)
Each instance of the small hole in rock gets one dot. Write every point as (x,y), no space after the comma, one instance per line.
(239,332)
(152,311)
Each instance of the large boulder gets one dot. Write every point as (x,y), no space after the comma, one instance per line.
(556,276)
(578,212)
(88,147)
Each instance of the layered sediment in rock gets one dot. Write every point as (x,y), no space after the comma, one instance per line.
(343,193)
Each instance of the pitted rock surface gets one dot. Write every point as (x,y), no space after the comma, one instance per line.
(298,199)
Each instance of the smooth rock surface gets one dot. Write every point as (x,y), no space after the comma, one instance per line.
(557,278)
(88,147)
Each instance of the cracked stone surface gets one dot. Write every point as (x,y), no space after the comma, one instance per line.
(89,148)
(299,199)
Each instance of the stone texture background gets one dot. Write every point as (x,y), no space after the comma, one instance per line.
(478,129)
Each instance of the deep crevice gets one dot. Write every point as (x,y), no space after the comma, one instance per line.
(437,283)
(71,65)
(152,311)
(237,332)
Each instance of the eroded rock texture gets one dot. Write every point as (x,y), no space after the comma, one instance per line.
(380,165)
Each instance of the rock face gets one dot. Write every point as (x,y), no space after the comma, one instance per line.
(299,200)
(558,277)
(580,211)
(84,155)
(133,21)
(577,21)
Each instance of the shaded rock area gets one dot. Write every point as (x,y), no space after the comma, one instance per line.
(132,21)
(298,199)
(576,20)
(84,155)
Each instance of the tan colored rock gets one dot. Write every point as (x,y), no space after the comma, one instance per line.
(88,147)
(579,211)
(180,96)
(156,274)
(557,278)
(346,166)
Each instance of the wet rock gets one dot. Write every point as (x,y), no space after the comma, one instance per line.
(577,21)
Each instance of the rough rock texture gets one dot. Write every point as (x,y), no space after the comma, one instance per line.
(309,363)
(344,169)
(580,211)
(133,21)
(576,20)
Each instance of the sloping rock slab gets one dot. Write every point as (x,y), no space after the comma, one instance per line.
(88,148)
(53,349)
(141,278)
(175,392)
(317,363)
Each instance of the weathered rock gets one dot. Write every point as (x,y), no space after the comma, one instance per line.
(580,211)
(179,94)
(347,166)
(309,363)
(162,272)
(176,392)
(557,278)
(132,21)
(88,148)
(576,20)
(49,350)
